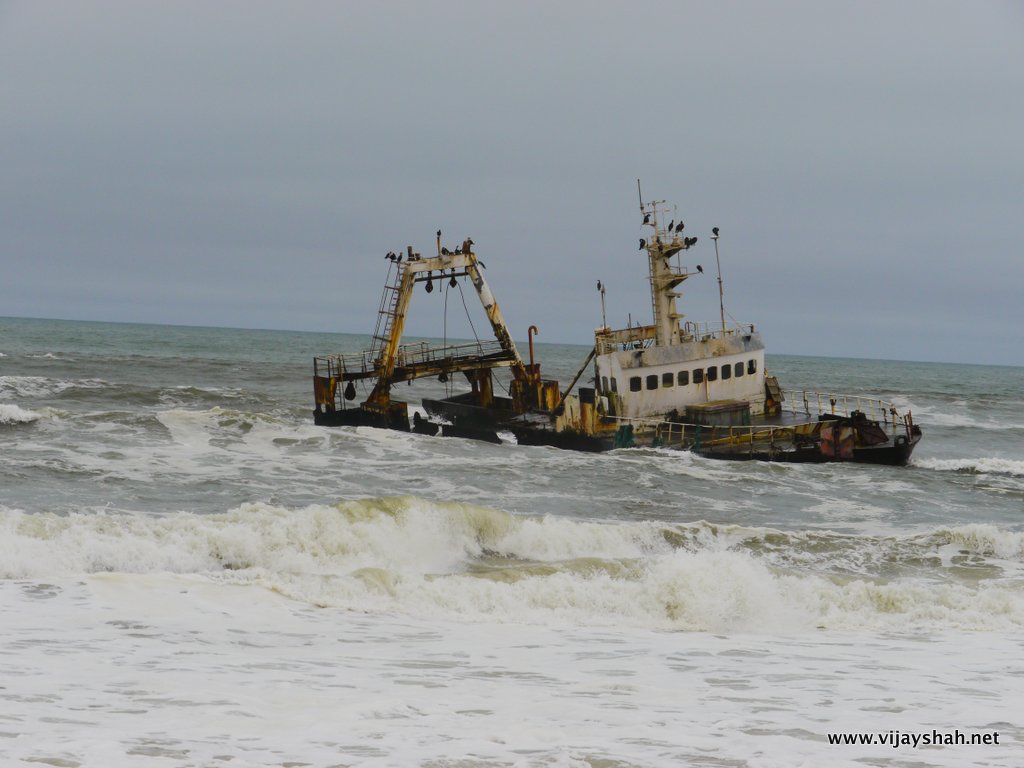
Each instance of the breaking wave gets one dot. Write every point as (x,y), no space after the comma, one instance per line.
(13,414)
(409,555)
(984,466)
(957,415)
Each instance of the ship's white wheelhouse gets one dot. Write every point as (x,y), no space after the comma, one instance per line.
(655,382)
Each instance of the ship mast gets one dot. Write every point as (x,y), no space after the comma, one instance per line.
(661,244)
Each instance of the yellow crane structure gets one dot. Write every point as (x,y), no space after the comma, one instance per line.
(390,362)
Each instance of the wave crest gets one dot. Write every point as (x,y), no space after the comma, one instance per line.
(983,466)
(13,414)
(411,555)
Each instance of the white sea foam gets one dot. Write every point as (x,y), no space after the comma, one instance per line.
(957,415)
(995,466)
(467,562)
(158,670)
(13,414)
(41,386)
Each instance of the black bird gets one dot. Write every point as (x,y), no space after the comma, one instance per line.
(399,259)
(647,218)
(700,269)
(390,255)
(458,250)
(444,251)
(671,224)
(679,227)
(439,233)
(643,243)
(599,285)
(714,231)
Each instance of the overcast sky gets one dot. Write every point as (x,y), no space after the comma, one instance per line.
(248,164)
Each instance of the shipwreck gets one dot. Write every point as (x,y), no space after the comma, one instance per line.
(697,386)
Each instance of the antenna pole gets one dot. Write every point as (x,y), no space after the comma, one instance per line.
(639,195)
(721,296)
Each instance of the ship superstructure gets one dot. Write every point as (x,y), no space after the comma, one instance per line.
(659,370)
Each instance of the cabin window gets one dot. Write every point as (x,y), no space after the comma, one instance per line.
(635,384)
(683,378)
(615,385)
(726,371)
(652,381)
(751,366)
(604,383)
(713,373)
(668,379)
(738,369)
(698,375)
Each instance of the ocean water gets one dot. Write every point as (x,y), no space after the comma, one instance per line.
(193,574)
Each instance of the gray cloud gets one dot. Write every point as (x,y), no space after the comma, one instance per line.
(249,164)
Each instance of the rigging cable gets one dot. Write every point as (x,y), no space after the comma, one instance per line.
(463,295)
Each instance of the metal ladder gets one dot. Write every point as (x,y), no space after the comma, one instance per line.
(386,313)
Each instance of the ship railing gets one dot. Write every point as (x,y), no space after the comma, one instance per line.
(708,330)
(349,364)
(421,353)
(749,437)
(803,423)
(622,339)
(355,365)
(817,404)
(643,336)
